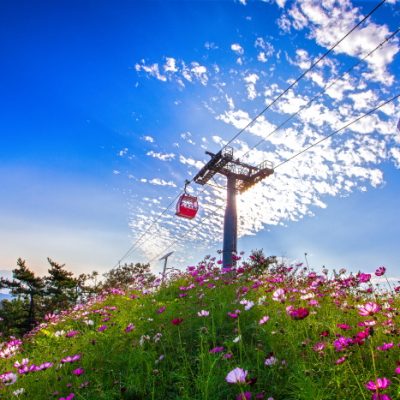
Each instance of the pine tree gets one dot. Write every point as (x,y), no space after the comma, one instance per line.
(29,287)
(61,287)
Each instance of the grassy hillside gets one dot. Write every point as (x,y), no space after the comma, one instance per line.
(285,333)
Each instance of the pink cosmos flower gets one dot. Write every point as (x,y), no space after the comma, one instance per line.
(345,327)
(342,343)
(234,315)
(161,310)
(71,333)
(380,383)
(78,371)
(129,328)
(102,328)
(298,313)
(368,309)
(217,349)
(8,378)
(279,295)
(380,271)
(270,361)
(263,320)
(363,278)
(319,347)
(69,397)
(177,321)
(203,313)
(385,346)
(380,396)
(340,360)
(244,396)
(237,375)
(70,359)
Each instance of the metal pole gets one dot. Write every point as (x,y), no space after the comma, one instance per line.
(230,224)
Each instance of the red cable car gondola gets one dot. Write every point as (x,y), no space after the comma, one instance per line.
(187,206)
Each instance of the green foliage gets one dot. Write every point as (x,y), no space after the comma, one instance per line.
(128,275)
(61,287)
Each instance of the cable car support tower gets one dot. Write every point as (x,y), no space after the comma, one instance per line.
(240,177)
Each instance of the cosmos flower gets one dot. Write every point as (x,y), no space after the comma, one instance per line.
(217,349)
(8,378)
(380,383)
(177,321)
(263,320)
(237,375)
(298,313)
(129,328)
(385,346)
(380,271)
(70,359)
(279,295)
(78,371)
(368,309)
(203,313)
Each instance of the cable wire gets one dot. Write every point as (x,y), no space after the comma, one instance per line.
(286,161)
(135,244)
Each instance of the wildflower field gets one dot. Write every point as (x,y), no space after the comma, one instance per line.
(253,332)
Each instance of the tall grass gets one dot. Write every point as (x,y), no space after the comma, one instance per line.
(293,336)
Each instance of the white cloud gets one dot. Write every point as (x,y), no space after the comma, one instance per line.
(160,156)
(152,70)
(190,161)
(251,81)
(148,139)
(123,152)
(170,65)
(237,48)
(328,22)
(158,182)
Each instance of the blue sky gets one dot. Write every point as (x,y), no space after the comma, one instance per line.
(108,108)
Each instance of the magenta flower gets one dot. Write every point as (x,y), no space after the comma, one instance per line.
(380,383)
(379,396)
(279,295)
(385,346)
(129,328)
(72,333)
(298,313)
(69,397)
(161,310)
(8,378)
(70,359)
(368,309)
(234,315)
(217,349)
(263,320)
(78,371)
(237,375)
(342,343)
(380,271)
(319,347)
(340,360)
(102,328)
(345,327)
(363,278)
(244,396)
(177,321)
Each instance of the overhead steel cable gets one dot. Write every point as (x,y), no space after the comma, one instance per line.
(286,161)
(325,88)
(338,130)
(304,73)
(134,245)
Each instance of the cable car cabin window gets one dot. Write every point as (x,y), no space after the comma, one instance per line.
(187,206)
